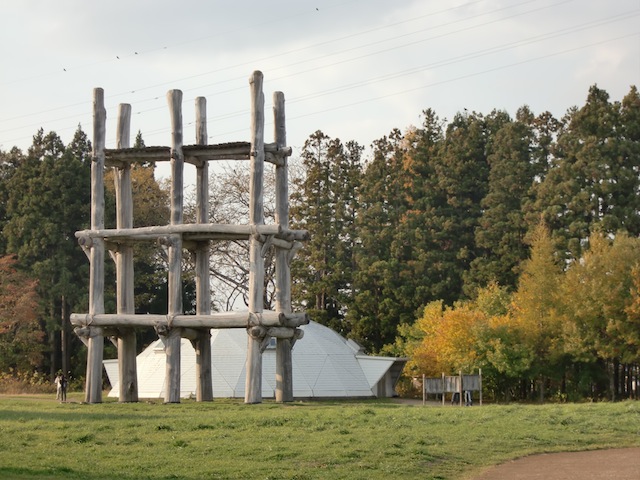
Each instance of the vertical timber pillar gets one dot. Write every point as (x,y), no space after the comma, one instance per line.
(202,344)
(95,342)
(253,382)
(284,362)
(124,264)
(173,337)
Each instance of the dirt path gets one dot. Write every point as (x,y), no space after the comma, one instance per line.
(615,464)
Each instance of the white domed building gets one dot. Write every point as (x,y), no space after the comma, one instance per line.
(325,365)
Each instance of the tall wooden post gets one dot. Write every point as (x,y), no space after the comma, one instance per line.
(124,264)
(284,362)
(173,338)
(95,342)
(202,344)
(253,384)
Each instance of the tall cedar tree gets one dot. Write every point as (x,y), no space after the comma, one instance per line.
(451,208)
(593,179)
(325,204)
(9,162)
(413,242)
(516,159)
(375,310)
(47,202)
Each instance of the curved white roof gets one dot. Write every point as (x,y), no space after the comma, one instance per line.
(324,365)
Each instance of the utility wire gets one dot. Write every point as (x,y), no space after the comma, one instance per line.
(413,70)
(252,62)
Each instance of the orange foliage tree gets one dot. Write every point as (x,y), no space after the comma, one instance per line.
(448,339)
(21,336)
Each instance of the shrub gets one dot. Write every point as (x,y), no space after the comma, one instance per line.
(16,382)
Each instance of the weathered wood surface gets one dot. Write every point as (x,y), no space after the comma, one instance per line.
(452,384)
(204,380)
(174,98)
(192,231)
(171,339)
(202,343)
(121,157)
(97,164)
(95,342)
(202,171)
(195,154)
(284,361)
(127,365)
(253,384)
(213,320)
(124,265)
(260,324)
(174,283)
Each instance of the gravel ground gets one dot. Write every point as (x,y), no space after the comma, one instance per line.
(614,464)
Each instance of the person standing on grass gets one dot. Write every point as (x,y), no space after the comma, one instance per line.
(58,382)
(64,383)
(61,387)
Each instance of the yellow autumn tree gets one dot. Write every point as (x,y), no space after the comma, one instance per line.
(448,339)
(534,310)
(631,333)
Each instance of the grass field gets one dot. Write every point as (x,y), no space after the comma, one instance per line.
(41,438)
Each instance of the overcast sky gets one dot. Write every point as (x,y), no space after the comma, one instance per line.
(354,69)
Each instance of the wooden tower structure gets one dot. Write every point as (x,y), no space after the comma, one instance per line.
(261,325)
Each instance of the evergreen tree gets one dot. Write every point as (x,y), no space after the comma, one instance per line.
(48,201)
(500,237)
(376,310)
(593,179)
(452,207)
(325,204)
(9,161)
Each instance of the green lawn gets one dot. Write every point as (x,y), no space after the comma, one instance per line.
(41,438)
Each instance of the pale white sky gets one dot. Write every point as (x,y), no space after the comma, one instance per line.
(354,69)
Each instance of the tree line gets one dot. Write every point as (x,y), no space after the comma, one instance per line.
(440,221)
(442,212)
(45,198)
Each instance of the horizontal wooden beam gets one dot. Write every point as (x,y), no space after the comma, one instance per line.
(198,154)
(214,320)
(195,154)
(193,232)
(164,230)
(123,156)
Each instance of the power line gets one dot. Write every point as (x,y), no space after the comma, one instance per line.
(137,53)
(300,49)
(450,80)
(385,77)
(446,62)
(433,37)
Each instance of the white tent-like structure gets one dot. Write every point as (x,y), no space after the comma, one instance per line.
(325,365)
